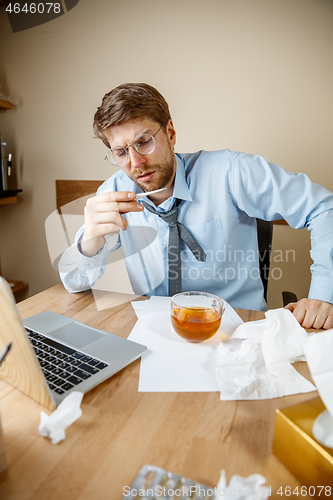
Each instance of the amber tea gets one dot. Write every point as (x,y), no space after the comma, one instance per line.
(196,316)
(197,324)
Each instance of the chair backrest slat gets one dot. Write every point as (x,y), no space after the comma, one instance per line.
(73,194)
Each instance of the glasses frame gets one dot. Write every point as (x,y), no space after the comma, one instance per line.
(133,145)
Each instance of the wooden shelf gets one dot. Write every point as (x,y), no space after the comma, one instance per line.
(5,104)
(8,201)
(15,285)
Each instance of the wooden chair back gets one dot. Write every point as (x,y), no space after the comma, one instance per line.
(72,195)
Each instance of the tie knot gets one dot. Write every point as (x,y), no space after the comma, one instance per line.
(170,216)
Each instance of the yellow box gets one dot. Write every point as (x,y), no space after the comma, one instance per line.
(294,444)
(3,464)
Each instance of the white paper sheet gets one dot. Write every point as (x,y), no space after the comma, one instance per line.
(172,364)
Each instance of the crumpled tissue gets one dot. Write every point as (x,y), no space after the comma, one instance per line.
(255,363)
(239,487)
(319,355)
(53,426)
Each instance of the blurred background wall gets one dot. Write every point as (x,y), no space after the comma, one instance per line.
(248,75)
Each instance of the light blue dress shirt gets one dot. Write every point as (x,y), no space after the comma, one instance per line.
(223,193)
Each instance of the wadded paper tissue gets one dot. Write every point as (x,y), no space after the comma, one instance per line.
(319,355)
(68,411)
(259,367)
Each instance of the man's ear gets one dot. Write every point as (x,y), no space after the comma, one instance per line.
(171,133)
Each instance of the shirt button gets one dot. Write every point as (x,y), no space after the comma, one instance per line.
(165,242)
(91,265)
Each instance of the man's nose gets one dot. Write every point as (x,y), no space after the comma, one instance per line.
(135,158)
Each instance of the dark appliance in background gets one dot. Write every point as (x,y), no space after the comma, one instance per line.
(3,177)
(5,166)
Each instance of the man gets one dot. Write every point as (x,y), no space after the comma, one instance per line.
(203,222)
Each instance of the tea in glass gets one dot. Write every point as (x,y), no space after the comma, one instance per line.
(196,316)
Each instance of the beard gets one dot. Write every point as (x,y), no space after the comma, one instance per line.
(164,172)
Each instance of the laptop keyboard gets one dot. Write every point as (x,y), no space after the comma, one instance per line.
(63,367)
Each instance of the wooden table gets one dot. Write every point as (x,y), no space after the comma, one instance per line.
(192,434)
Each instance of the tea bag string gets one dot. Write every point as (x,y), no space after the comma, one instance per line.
(176,230)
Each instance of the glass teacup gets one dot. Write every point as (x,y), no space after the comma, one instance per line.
(196,316)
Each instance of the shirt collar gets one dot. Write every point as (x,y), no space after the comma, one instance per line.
(180,189)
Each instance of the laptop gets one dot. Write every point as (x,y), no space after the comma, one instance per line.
(52,355)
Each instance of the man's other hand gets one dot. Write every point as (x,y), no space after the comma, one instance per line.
(312,313)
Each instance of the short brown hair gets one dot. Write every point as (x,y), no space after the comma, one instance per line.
(129,101)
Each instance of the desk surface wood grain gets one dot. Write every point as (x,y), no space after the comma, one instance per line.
(192,434)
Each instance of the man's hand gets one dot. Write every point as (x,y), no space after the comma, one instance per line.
(102,216)
(312,313)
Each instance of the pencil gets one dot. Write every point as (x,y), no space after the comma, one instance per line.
(4,352)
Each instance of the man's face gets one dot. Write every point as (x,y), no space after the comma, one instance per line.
(152,171)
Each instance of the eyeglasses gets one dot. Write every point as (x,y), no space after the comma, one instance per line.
(144,144)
